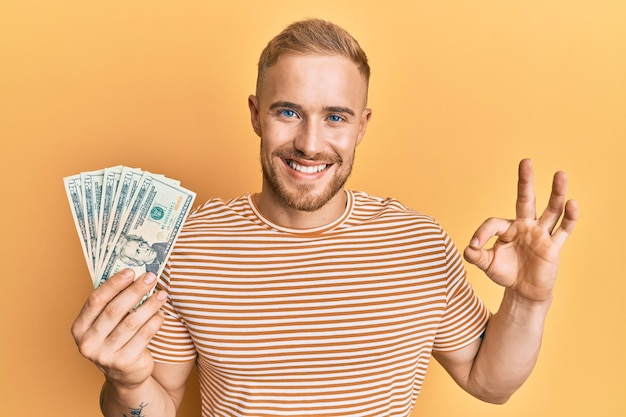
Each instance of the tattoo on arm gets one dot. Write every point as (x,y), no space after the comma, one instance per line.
(137,412)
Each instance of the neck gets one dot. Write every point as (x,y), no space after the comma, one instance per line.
(292,218)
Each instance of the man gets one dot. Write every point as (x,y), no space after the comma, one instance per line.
(310,299)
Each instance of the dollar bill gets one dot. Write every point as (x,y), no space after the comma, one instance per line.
(127,187)
(91,193)
(151,225)
(126,218)
(110,181)
(73,189)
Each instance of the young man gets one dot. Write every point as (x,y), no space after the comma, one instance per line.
(310,299)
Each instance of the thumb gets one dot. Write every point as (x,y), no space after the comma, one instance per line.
(479,257)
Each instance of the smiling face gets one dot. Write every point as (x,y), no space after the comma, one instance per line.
(310,114)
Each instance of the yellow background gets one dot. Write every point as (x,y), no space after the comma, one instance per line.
(460,90)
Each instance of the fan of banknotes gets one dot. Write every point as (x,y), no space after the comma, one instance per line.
(126,218)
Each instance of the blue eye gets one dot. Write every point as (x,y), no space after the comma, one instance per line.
(287,113)
(334,118)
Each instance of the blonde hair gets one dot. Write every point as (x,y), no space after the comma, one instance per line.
(312,36)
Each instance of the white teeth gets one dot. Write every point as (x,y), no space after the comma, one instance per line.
(306,169)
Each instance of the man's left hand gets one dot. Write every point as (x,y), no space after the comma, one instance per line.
(525,256)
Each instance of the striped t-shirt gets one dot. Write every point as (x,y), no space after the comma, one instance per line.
(339,320)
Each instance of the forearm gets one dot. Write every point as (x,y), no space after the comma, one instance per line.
(150,398)
(509,349)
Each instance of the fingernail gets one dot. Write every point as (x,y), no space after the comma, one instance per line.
(474,243)
(149,278)
(127,273)
(161,295)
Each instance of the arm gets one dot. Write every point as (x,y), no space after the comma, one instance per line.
(524,259)
(493,368)
(164,391)
(116,341)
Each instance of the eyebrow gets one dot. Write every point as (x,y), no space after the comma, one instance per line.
(294,106)
(285,104)
(339,109)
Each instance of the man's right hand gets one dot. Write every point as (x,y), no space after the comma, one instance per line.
(113,335)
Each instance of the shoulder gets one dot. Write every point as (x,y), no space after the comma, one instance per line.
(394,219)
(217,211)
(217,205)
(368,206)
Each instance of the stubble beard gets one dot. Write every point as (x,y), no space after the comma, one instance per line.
(303,198)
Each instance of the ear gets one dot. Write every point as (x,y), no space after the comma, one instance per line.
(365,118)
(253,105)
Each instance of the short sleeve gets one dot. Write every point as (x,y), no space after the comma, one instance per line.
(172,343)
(465,316)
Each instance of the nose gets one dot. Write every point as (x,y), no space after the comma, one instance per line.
(309,139)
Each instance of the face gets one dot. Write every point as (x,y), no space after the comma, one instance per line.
(139,251)
(310,115)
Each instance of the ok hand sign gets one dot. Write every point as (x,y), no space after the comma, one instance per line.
(525,256)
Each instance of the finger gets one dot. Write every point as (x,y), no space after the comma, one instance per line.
(525,205)
(553,211)
(98,300)
(570,217)
(141,338)
(125,301)
(481,258)
(474,253)
(491,227)
(136,320)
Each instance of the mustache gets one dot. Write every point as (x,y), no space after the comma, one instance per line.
(325,157)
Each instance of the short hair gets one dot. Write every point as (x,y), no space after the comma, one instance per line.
(312,36)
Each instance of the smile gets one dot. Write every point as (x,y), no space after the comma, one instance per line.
(312,169)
